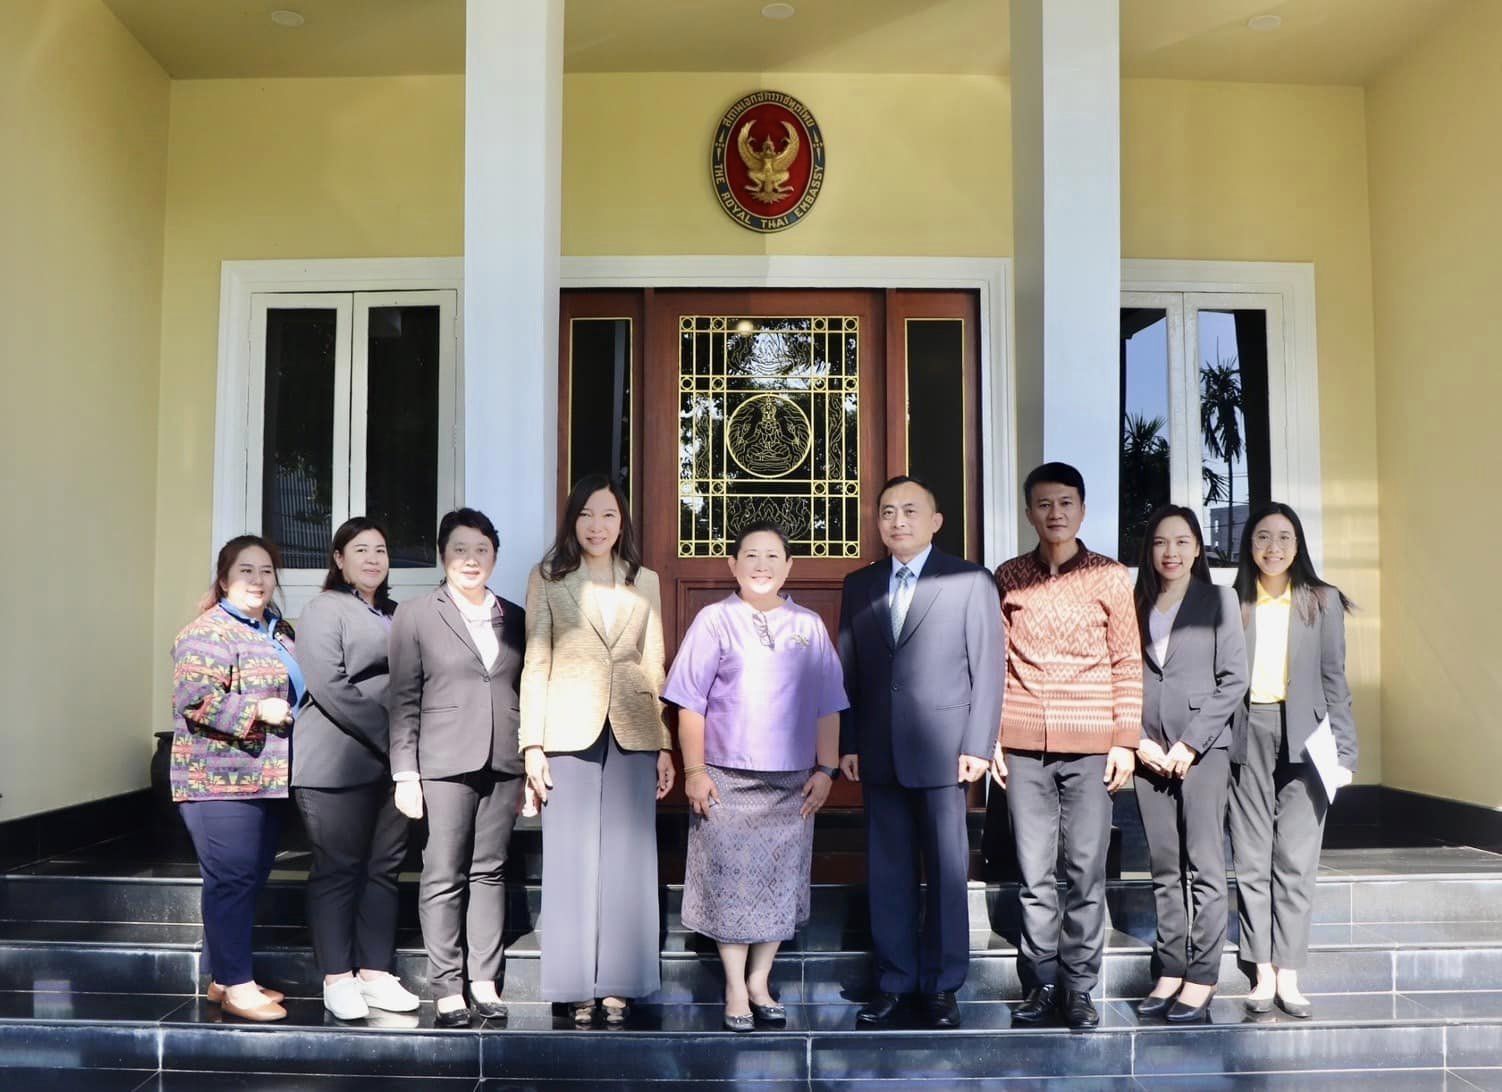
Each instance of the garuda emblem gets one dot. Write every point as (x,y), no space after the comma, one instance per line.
(767,163)
(766,166)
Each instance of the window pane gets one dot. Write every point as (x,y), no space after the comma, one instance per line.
(401,437)
(297,456)
(1144,424)
(1233,425)
(936,419)
(599,400)
(769,429)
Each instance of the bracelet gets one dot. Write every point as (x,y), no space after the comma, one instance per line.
(689,771)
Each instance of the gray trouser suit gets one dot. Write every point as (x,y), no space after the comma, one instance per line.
(1185,822)
(1047,794)
(1277,824)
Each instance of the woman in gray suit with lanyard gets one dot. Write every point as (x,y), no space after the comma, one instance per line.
(456,658)
(1194,677)
(341,777)
(1296,632)
(597,754)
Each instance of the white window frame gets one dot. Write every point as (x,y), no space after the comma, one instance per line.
(1285,290)
(352,287)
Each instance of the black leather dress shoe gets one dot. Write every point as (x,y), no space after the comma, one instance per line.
(488,1010)
(1301,1010)
(880,1009)
(1154,1006)
(453,1018)
(1079,1011)
(1041,1003)
(943,1010)
(1182,1013)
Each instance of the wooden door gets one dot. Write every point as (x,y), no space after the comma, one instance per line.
(785,404)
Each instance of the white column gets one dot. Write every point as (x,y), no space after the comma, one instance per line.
(513,156)
(1066,213)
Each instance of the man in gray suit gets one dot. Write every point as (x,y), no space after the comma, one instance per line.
(921,645)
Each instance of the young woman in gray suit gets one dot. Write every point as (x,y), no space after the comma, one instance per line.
(596,754)
(1296,633)
(341,777)
(1194,678)
(456,658)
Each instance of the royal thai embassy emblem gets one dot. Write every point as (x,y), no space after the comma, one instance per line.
(767,163)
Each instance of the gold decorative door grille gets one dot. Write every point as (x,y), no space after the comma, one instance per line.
(769,429)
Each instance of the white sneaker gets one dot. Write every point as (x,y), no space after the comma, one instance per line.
(388,994)
(344,999)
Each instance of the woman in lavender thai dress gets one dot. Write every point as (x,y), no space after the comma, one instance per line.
(759,690)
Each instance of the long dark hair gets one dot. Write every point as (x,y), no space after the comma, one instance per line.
(566,555)
(1149,584)
(1311,595)
(334,580)
(229,553)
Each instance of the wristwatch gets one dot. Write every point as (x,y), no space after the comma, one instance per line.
(831,772)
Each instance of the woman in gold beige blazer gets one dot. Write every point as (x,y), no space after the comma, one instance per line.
(596,752)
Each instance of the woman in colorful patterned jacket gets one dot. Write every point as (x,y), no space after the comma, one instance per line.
(236,687)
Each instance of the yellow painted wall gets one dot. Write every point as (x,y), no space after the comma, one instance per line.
(1437,254)
(1262,172)
(346,168)
(918,165)
(83,142)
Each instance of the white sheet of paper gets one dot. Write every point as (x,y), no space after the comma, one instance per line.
(1320,750)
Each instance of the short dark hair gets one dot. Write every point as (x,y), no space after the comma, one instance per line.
(1053,474)
(334,580)
(764,526)
(472,518)
(907,479)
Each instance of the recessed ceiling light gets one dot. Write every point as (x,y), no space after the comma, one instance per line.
(285,18)
(778,11)
(1265,22)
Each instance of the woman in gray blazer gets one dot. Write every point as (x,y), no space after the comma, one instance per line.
(341,778)
(1296,634)
(1194,677)
(456,659)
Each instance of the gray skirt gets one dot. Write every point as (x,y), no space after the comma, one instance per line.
(746,877)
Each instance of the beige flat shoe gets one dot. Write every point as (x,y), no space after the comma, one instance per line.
(261,1014)
(214,995)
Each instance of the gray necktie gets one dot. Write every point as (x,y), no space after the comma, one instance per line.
(900,600)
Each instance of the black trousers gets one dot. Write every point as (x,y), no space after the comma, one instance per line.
(912,834)
(236,842)
(359,840)
(469,829)
(1048,794)
(1185,821)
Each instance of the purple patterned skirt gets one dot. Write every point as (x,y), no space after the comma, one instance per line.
(746,878)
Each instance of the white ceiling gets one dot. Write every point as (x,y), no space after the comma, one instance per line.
(1320,41)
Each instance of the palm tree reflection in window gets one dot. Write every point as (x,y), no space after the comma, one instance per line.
(1222,417)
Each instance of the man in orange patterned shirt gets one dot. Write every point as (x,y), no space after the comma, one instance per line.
(1070,723)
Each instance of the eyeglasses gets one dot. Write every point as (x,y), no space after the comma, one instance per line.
(763,631)
(1267,538)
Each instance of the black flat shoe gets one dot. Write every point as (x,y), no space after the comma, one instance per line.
(1300,1010)
(1259,1006)
(1181,1013)
(1041,1004)
(453,1018)
(740,1023)
(879,1010)
(1078,1010)
(488,1010)
(1153,1007)
(943,1010)
(773,1015)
